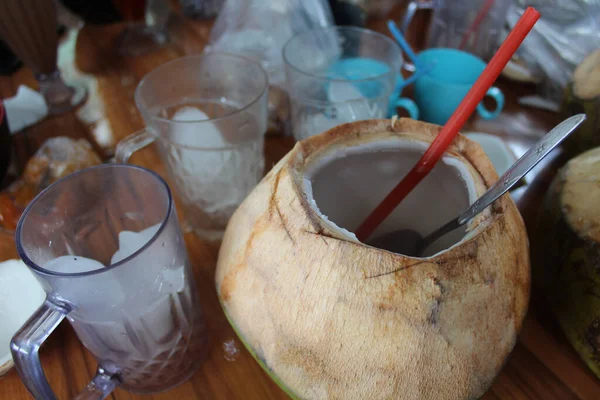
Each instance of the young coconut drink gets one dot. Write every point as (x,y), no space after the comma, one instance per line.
(332,318)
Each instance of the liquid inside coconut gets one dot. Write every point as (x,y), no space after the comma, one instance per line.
(346,186)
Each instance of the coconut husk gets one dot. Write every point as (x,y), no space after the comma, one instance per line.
(567,248)
(583,96)
(586,77)
(331,318)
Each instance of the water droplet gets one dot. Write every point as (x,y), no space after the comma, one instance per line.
(231,350)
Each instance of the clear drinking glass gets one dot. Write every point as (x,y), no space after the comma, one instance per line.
(325,89)
(474,26)
(137,311)
(208,115)
(146,28)
(29,27)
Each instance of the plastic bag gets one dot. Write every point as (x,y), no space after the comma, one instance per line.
(567,31)
(259,29)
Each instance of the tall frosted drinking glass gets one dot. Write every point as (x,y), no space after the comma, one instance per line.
(105,244)
(208,115)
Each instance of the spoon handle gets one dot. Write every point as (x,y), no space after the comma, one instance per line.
(522,166)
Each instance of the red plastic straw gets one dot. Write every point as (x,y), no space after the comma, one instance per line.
(485,9)
(453,126)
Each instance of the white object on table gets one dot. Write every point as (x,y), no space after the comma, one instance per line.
(20,295)
(25,109)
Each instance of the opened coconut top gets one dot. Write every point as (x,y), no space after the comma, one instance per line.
(346,181)
(580,196)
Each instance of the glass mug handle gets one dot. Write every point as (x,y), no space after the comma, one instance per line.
(25,345)
(131,144)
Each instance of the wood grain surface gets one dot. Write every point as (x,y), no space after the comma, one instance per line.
(542,365)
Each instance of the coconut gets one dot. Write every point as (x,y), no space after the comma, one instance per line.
(332,318)
(582,95)
(567,248)
(20,295)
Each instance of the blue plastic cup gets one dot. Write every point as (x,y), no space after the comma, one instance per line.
(439,91)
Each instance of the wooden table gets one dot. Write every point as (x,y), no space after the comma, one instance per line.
(542,365)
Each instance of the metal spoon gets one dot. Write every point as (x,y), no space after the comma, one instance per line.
(410,242)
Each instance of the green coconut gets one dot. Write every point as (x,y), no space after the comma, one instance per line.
(330,317)
(567,248)
(582,95)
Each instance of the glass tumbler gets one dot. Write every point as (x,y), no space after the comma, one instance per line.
(339,74)
(146,28)
(208,116)
(474,26)
(107,248)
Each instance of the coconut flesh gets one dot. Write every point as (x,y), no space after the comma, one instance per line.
(331,318)
(344,186)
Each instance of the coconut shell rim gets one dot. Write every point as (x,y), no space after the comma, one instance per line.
(350,134)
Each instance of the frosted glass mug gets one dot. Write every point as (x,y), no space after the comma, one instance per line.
(140,316)
(207,114)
